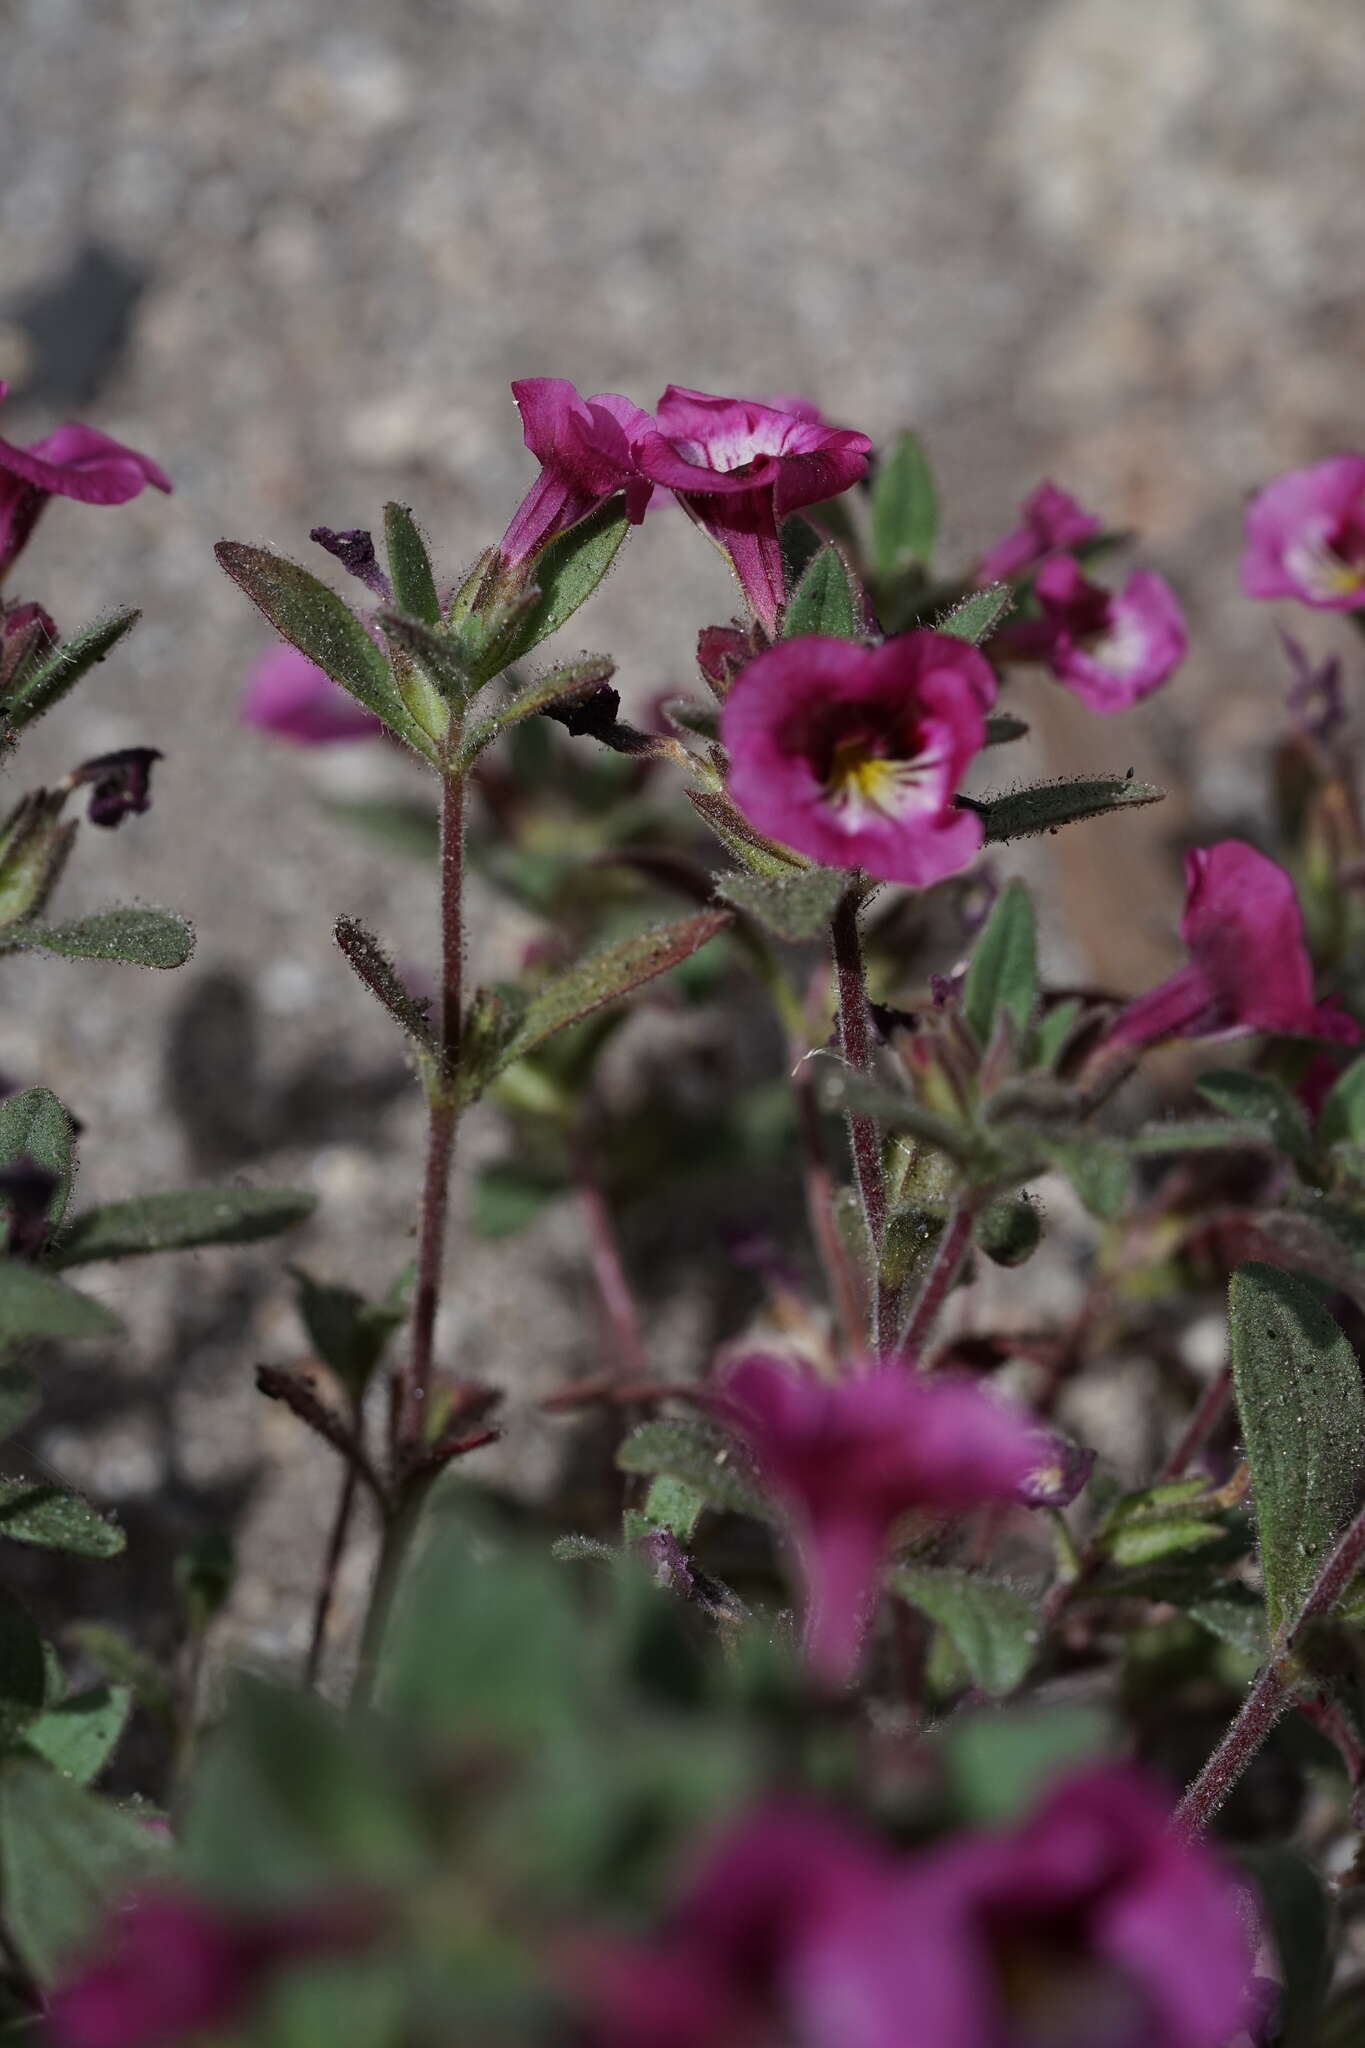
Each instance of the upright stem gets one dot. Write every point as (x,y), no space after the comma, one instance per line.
(841,1275)
(608,1267)
(442,1115)
(1200,1427)
(855,1042)
(944,1268)
(336,1544)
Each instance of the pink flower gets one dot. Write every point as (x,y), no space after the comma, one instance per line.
(27,634)
(1305,535)
(1094,1925)
(72,462)
(1111,647)
(1050,520)
(172,1965)
(853,754)
(740,467)
(290,696)
(1248,969)
(848,1458)
(585,450)
(725,1970)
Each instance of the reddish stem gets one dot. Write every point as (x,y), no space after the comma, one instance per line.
(840,1276)
(336,1545)
(1200,1427)
(855,1043)
(608,1267)
(944,1267)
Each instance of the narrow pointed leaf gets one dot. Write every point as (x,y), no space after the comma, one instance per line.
(140,938)
(1257,1098)
(1303,1422)
(175,1221)
(703,1457)
(992,1626)
(367,959)
(849,1094)
(438,656)
(1342,1118)
(19,1399)
(33,1304)
(1003,976)
(66,1857)
(80,1734)
(760,855)
(795,906)
(567,574)
(1002,727)
(23,1670)
(1200,1134)
(414,587)
(825,600)
(49,682)
(566,685)
(975,618)
(314,619)
(34,1125)
(34,1511)
(904,510)
(1047,806)
(607,975)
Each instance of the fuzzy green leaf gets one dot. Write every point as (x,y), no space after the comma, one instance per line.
(567,574)
(414,587)
(673,1504)
(33,1304)
(34,1125)
(1257,1098)
(704,1457)
(825,600)
(367,959)
(760,855)
(173,1222)
(1003,976)
(314,619)
(794,906)
(1140,1541)
(80,1734)
(1047,806)
(66,1856)
(566,685)
(19,1398)
(1099,1169)
(1303,1422)
(976,617)
(141,938)
(1199,1134)
(992,1626)
(1342,1118)
(904,509)
(50,1518)
(1000,1764)
(845,1093)
(48,682)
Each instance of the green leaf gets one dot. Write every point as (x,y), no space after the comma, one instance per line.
(761,856)
(904,508)
(348,1333)
(50,1518)
(1055,1027)
(1300,1924)
(66,1856)
(1002,727)
(825,600)
(793,906)
(975,618)
(508,1197)
(603,977)
(414,587)
(367,959)
(111,1652)
(1236,1616)
(19,1398)
(33,1304)
(23,1671)
(1303,1422)
(1342,1117)
(1003,976)
(1199,1134)
(1140,1542)
(566,685)
(673,1504)
(404,826)
(704,1457)
(567,573)
(314,619)
(992,1626)
(47,683)
(1047,806)
(80,1734)
(1001,1764)
(142,938)
(1257,1098)
(846,1093)
(34,1125)
(173,1222)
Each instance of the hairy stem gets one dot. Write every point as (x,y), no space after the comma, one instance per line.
(336,1545)
(442,1116)
(944,1267)
(855,1042)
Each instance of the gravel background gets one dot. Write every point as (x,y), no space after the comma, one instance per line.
(297,250)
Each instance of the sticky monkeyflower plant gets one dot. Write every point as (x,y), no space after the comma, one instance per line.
(894,1673)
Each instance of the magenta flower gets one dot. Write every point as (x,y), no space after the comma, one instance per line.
(1094,1925)
(725,1971)
(848,1458)
(1248,968)
(1050,520)
(1110,647)
(853,754)
(172,1965)
(1305,536)
(585,447)
(740,467)
(72,462)
(27,634)
(289,695)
